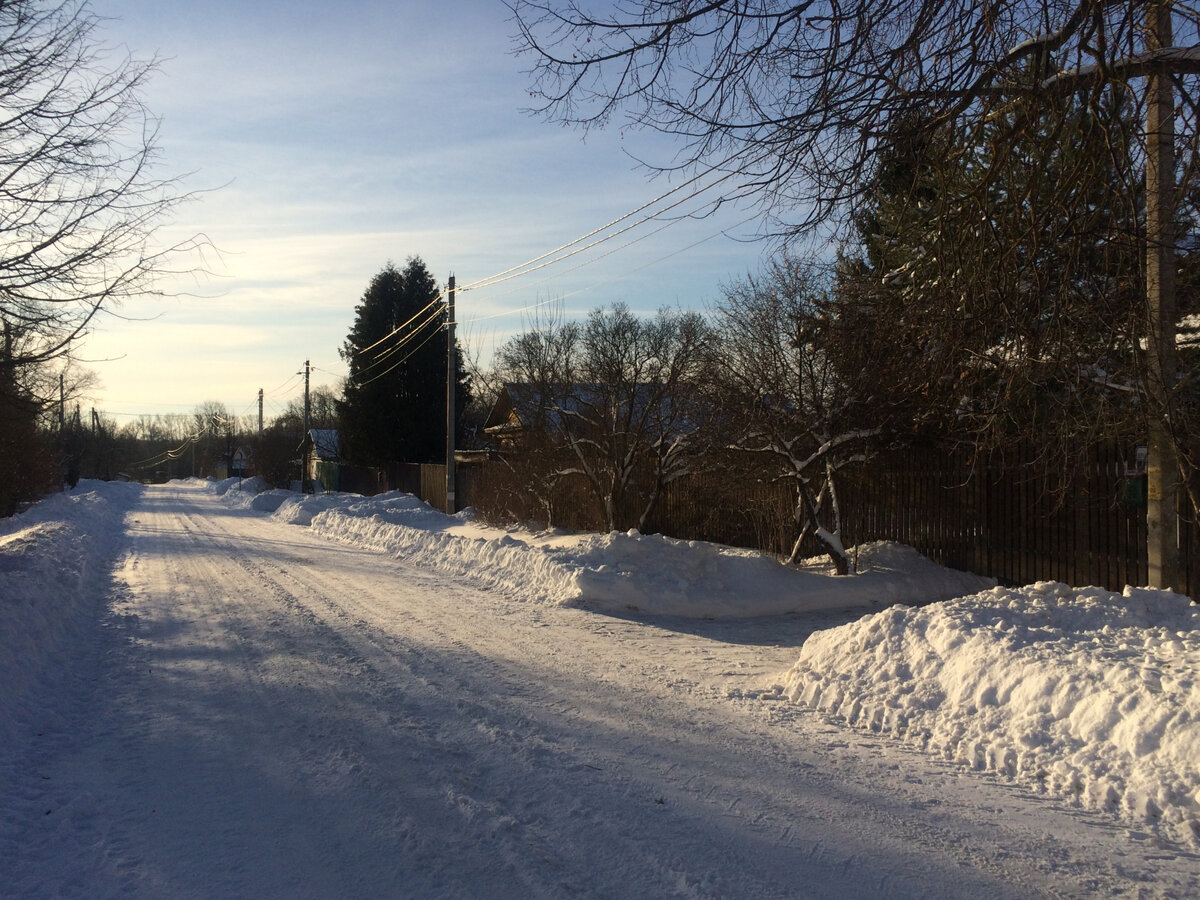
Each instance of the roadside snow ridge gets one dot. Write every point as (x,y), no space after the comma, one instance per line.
(1083,693)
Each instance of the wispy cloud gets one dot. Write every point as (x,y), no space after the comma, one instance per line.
(343,137)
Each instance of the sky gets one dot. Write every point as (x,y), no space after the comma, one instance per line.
(324,141)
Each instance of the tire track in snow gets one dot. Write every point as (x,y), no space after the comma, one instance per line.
(629,768)
(477,785)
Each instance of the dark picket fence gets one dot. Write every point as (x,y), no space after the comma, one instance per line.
(1002,522)
(996,520)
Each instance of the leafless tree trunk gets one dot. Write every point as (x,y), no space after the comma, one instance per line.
(783,395)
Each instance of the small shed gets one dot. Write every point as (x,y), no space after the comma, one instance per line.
(322,457)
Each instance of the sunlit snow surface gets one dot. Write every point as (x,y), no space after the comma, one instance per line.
(1088,695)
(621,572)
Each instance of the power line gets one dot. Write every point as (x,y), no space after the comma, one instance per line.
(583,265)
(499,275)
(276,390)
(400,362)
(552,257)
(623,274)
(441,295)
(189,441)
(528,268)
(407,338)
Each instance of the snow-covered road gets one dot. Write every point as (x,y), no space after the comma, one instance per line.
(268,714)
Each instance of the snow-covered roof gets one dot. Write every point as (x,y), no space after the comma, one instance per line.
(325,442)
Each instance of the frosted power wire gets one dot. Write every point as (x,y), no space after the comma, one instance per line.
(489,282)
(623,274)
(400,362)
(402,343)
(170,454)
(433,317)
(525,267)
(326,371)
(416,332)
(276,390)
(441,296)
(576,268)
(482,282)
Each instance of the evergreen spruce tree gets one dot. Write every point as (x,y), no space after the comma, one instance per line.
(393,408)
(998,283)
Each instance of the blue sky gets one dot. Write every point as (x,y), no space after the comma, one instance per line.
(329,139)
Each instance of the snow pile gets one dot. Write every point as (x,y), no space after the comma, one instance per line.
(248,493)
(651,573)
(622,571)
(299,509)
(1083,693)
(249,486)
(55,563)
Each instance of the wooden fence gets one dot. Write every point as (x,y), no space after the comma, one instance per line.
(998,521)
(1005,523)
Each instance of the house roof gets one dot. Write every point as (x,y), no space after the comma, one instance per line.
(325,442)
(518,404)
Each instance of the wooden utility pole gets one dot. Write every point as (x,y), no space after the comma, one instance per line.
(260,412)
(451,383)
(1162,470)
(305,483)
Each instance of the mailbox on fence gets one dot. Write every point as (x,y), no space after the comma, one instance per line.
(1133,485)
(1133,490)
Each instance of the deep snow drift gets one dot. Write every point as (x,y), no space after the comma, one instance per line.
(1081,693)
(617,572)
(1085,694)
(51,559)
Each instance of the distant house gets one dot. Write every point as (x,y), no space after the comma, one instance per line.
(514,410)
(322,458)
(240,465)
(237,465)
(521,407)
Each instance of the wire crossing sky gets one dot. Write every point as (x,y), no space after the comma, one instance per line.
(327,141)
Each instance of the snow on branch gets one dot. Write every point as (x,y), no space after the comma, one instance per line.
(1177,60)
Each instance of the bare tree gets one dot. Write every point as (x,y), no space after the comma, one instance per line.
(778,374)
(322,403)
(635,415)
(613,401)
(795,99)
(678,418)
(81,201)
(535,370)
